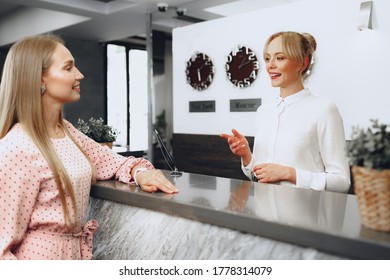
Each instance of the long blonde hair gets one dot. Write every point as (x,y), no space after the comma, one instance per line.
(20,102)
(297,47)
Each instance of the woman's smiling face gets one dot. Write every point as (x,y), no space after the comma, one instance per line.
(62,80)
(284,72)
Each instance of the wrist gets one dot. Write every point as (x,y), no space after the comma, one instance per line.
(246,160)
(290,175)
(138,171)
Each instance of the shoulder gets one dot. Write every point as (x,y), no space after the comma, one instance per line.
(325,112)
(72,129)
(17,144)
(16,137)
(322,105)
(69,125)
(77,135)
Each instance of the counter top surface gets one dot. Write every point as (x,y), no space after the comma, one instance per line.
(327,221)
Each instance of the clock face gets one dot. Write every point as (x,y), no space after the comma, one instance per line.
(200,71)
(242,66)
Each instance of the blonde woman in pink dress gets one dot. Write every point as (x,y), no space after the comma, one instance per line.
(46,165)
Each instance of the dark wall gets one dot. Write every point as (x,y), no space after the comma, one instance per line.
(207,154)
(3,54)
(159,39)
(90,60)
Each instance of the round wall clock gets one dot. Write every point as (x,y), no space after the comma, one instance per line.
(242,66)
(200,71)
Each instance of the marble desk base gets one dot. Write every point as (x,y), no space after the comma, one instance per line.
(128,232)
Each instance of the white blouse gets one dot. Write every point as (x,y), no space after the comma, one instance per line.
(304,132)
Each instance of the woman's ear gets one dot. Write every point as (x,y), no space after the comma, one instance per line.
(305,64)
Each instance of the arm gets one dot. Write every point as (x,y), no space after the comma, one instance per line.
(331,141)
(19,188)
(110,165)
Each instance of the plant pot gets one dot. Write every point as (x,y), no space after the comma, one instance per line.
(372,189)
(108,144)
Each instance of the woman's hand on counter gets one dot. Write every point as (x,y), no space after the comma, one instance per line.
(153,180)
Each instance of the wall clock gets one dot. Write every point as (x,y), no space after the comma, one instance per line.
(200,71)
(242,66)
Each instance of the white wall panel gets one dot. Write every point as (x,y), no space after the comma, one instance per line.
(351,66)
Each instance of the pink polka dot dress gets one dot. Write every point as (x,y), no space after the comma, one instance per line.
(32,224)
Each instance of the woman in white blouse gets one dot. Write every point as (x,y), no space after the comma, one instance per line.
(300,137)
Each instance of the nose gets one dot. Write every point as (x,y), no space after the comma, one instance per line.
(79,75)
(270,63)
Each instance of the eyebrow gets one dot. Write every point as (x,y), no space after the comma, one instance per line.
(278,53)
(69,61)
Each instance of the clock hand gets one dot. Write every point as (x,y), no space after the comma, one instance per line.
(242,63)
(199,78)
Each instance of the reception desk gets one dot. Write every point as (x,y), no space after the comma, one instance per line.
(221,218)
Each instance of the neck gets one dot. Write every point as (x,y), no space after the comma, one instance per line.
(51,113)
(284,92)
(52,124)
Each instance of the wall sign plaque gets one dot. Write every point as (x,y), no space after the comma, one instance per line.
(244,105)
(202,106)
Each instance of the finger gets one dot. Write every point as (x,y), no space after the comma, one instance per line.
(261,177)
(237,147)
(168,189)
(158,186)
(147,188)
(231,139)
(155,180)
(224,135)
(234,144)
(259,166)
(237,134)
(169,186)
(164,184)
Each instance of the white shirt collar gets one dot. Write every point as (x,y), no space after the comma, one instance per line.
(293,97)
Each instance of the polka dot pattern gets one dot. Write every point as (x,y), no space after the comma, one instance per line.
(32,222)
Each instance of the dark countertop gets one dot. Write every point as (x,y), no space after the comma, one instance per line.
(125,151)
(327,221)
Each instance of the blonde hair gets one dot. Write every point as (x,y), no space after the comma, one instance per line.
(297,47)
(20,102)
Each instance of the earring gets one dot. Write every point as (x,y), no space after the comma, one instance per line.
(43,89)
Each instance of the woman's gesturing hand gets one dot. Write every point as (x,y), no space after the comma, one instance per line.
(239,145)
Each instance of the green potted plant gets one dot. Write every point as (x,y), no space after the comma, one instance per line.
(98,131)
(369,155)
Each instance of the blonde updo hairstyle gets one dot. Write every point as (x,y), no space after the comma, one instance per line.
(297,47)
